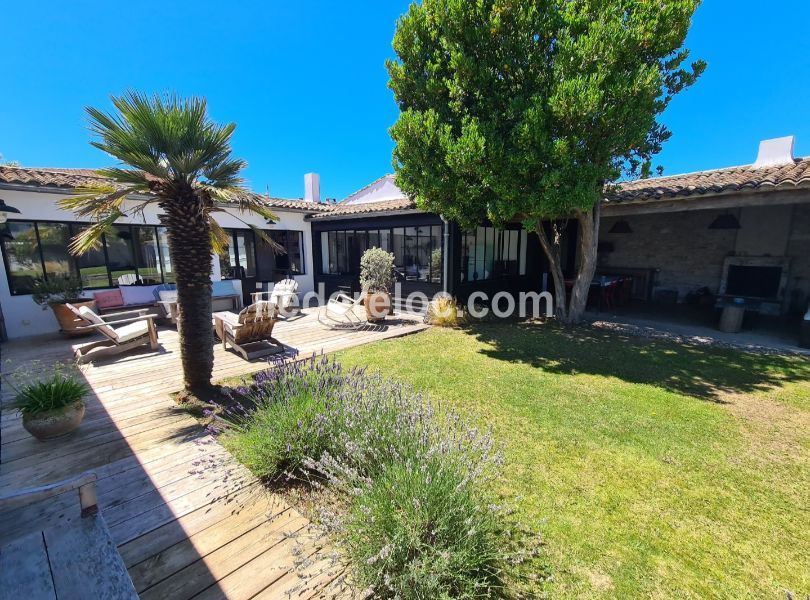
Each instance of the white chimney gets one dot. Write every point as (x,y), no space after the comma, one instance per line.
(312,187)
(775,152)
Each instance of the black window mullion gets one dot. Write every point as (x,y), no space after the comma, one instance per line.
(160,255)
(39,250)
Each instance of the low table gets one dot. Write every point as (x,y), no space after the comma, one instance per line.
(222,317)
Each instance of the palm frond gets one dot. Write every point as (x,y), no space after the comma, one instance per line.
(244,202)
(275,246)
(220,240)
(96,201)
(90,237)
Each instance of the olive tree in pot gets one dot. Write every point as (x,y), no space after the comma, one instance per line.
(56,292)
(376,280)
(52,405)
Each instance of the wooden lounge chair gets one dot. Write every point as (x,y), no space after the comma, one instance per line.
(77,559)
(122,330)
(338,312)
(284,295)
(250,332)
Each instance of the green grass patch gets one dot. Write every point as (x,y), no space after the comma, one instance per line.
(651,468)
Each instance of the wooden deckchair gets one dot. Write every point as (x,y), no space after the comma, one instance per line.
(284,295)
(122,330)
(250,332)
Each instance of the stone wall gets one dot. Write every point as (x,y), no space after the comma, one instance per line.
(688,255)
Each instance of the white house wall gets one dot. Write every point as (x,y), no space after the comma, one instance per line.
(23,318)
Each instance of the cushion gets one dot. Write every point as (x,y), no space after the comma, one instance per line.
(163,287)
(168,295)
(138,294)
(108,299)
(130,331)
(223,288)
(89,315)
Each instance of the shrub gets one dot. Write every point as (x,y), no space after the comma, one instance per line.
(417,517)
(443,311)
(377,270)
(57,290)
(57,387)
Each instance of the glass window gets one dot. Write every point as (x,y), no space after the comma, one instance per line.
(92,264)
(120,257)
(247,254)
(22,256)
(398,248)
(436,254)
(385,239)
(411,254)
(53,240)
(147,255)
(165,257)
(291,263)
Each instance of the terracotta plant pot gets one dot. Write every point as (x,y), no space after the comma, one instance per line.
(54,423)
(378,305)
(68,321)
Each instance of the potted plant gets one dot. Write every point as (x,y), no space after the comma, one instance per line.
(52,405)
(55,292)
(376,280)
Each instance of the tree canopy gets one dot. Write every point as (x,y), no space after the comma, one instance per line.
(527,109)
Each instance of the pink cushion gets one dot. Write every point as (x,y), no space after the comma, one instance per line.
(108,299)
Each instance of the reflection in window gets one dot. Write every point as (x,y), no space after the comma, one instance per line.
(125,255)
(166,260)
(53,240)
(22,256)
(489,253)
(120,257)
(289,263)
(417,250)
(147,255)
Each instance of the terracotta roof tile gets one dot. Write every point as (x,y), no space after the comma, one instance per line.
(714,181)
(48,177)
(341,209)
(72,178)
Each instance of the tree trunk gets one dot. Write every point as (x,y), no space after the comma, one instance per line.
(565,311)
(588,241)
(189,236)
(552,251)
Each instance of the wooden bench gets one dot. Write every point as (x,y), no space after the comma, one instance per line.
(75,560)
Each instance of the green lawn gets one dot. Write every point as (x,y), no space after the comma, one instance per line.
(651,469)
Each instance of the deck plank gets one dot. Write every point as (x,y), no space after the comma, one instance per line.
(184,515)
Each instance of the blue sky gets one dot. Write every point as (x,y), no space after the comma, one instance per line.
(306,82)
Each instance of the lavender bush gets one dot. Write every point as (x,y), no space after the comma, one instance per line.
(417,519)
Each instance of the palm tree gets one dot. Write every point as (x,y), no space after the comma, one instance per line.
(173,156)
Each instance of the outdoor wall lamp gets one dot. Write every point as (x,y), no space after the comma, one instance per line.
(5,209)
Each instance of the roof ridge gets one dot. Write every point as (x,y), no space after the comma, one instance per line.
(796,161)
(365,187)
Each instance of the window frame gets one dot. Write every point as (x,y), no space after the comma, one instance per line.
(364,231)
(75,268)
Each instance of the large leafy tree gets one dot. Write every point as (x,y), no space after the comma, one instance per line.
(529,109)
(175,157)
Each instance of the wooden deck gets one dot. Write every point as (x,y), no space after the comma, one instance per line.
(187,519)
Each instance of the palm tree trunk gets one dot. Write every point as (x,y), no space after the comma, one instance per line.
(189,236)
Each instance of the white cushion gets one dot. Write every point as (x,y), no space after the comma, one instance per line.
(89,315)
(130,331)
(168,295)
